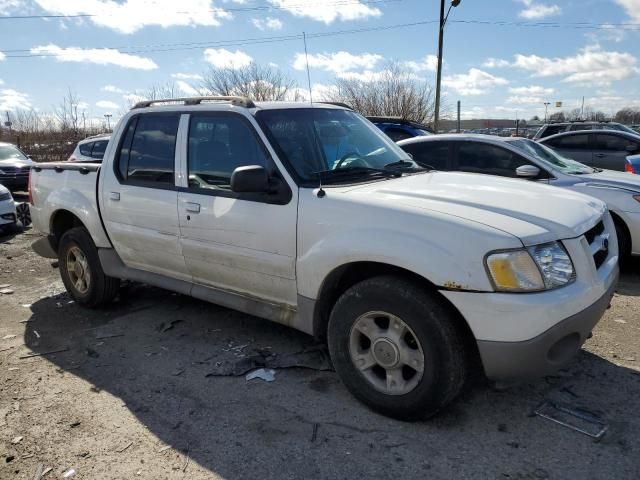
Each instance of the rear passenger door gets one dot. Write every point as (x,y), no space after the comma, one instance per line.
(239,242)
(434,154)
(139,197)
(610,150)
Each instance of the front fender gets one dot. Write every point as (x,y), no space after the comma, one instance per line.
(455,264)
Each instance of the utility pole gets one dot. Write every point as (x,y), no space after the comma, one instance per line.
(458,129)
(443,21)
(108,117)
(582,109)
(546,105)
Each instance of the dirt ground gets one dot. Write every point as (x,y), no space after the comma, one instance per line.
(128,396)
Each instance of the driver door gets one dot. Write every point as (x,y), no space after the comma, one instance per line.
(239,242)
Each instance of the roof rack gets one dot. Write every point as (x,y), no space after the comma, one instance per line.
(236,101)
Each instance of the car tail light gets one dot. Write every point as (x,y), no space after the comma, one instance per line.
(30,194)
(629,168)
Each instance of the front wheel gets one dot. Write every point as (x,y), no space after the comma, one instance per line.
(81,271)
(397,348)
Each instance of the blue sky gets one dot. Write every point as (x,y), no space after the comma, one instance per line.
(496,70)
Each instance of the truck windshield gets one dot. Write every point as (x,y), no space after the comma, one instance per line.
(331,145)
(551,158)
(8,152)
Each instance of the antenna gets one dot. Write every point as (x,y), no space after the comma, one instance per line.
(306,58)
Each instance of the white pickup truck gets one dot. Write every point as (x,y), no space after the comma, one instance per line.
(309,216)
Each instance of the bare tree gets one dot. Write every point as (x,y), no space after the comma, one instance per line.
(67,113)
(628,115)
(393,92)
(158,91)
(257,82)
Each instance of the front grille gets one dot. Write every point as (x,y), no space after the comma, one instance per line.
(5,196)
(15,170)
(598,243)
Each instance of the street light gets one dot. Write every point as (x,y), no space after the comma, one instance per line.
(546,105)
(443,21)
(108,117)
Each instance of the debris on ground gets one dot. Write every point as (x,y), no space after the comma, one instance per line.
(40,354)
(266,374)
(5,285)
(6,291)
(122,449)
(578,419)
(165,326)
(16,440)
(69,473)
(314,434)
(315,358)
(9,337)
(92,353)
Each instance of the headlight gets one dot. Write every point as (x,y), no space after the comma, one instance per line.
(541,267)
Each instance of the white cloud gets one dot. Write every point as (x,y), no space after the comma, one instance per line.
(112,89)
(320,92)
(591,66)
(2,56)
(133,98)
(495,63)
(534,90)
(186,88)
(100,56)
(428,63)
(107,105)
(222,58)
(536,11)
(364,76)
(7,6)
(12,100)
(632,7)
(268,23)
(337,62)
(525,100)
(273,65)
(1,82)
(328,12)
(187,76)
(474,82)
(607,32)
(131,15)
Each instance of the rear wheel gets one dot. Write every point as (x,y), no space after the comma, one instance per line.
(24,214)
(397,348)
(81,271)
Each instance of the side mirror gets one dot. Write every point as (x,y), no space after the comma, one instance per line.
(250,179)
(527,171)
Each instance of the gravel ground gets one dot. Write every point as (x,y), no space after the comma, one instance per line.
(129,397)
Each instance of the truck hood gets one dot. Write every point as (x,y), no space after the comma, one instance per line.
(611,179)
(532,212)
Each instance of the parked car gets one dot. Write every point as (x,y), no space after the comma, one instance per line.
(412,276)
(14,167)
(397,128)
(597,148)
(549,129)
(8,216)
(633,164)
(526,159)
(91,149)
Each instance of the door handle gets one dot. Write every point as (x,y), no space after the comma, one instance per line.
(600,155)
(192,207)
(115,196)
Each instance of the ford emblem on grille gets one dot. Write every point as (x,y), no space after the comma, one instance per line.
(604,242)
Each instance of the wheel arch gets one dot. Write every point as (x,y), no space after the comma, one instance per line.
(61,221)
(345,276)
(618,220)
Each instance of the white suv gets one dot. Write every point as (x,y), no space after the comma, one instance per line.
(91,149)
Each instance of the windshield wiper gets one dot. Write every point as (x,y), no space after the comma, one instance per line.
(354,172)
(405,164)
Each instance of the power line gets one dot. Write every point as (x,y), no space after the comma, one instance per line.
(188,12)
(228,43)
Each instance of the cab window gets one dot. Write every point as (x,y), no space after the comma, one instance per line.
(570,142)
(489,159)
(429,154)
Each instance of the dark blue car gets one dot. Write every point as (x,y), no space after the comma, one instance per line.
(397,128)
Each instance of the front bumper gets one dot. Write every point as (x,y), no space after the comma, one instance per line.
(548,351)
(7,212)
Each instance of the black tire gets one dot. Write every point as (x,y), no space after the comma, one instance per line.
(624,242)
(101,289)
(434,326)
(24,214)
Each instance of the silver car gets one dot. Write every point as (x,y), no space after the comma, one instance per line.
(596,148)
(91,149)
(526,159)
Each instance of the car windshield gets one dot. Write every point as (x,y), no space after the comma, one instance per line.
(619,127)
(332,146)
(551,158)
(8,152)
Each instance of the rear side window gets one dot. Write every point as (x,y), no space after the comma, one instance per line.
(489,159)
(396,134)
(98,149)
(429,154)
(552,130)
(612,143)
(85,149)
(570,142)
(147,152)
(577,127)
